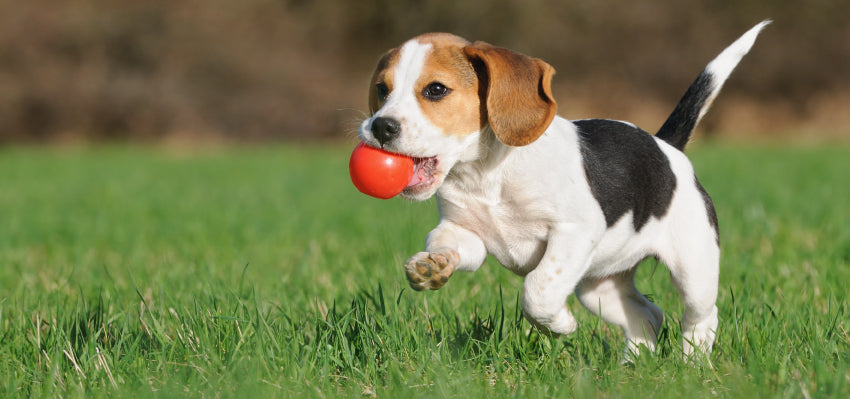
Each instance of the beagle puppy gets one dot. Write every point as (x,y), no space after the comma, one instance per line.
(573,206)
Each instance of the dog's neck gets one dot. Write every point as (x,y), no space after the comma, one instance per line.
(480,174)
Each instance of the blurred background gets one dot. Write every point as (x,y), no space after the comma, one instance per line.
(263,70)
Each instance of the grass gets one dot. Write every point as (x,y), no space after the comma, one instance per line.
(132,271)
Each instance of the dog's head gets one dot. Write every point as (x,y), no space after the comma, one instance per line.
(437,97)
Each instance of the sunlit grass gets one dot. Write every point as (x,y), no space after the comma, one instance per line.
(150,272)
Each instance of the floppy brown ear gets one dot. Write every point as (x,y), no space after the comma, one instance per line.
(518,91)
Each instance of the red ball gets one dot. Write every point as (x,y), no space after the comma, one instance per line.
(379,173)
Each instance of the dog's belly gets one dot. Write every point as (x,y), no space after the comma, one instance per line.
(520,250)
(620,248)
(520,242)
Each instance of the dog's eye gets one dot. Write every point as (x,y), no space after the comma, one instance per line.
(435,91)
(382,91)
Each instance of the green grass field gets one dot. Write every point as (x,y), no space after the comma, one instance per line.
(133,271)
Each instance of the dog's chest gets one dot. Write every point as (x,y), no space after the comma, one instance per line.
(514,233)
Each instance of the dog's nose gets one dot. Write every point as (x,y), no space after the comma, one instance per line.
(385,129)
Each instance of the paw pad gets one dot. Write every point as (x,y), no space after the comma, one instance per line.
(428,270)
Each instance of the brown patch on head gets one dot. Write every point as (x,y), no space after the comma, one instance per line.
(458,112)
(383,75)
(486,84)
(519,102)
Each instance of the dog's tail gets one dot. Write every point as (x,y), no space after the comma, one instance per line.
(695,103)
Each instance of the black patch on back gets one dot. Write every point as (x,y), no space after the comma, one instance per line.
(709,209)
(677,129)
(626,170)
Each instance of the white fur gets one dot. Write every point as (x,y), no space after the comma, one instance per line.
(723,65)
(532,208)
(540,220)
(421,138)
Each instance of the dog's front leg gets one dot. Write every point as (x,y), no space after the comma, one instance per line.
(546,288)
(449,247)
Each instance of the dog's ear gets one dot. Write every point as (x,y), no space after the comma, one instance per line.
(515,91)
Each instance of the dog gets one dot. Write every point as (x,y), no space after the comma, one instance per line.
(573,206)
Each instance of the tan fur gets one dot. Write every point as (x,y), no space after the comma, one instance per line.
(536,209)
(459,113)
(519,101)
(383,74)
(510,91)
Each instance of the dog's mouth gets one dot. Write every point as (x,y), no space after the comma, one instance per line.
(423,174)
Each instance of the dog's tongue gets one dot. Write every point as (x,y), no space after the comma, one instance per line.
(423,171)
(418,173)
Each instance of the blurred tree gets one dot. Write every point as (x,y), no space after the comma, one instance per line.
(268,69)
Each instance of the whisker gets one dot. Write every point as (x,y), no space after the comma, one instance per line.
(351,125)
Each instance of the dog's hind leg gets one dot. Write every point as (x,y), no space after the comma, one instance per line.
(693,257)
(695,275)
(617,301)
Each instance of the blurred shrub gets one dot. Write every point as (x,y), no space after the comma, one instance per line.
(265,69)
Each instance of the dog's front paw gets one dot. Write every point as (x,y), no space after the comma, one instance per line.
(430,270)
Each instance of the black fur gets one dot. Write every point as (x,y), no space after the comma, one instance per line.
(626,170)
(677,129)
(709,209)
